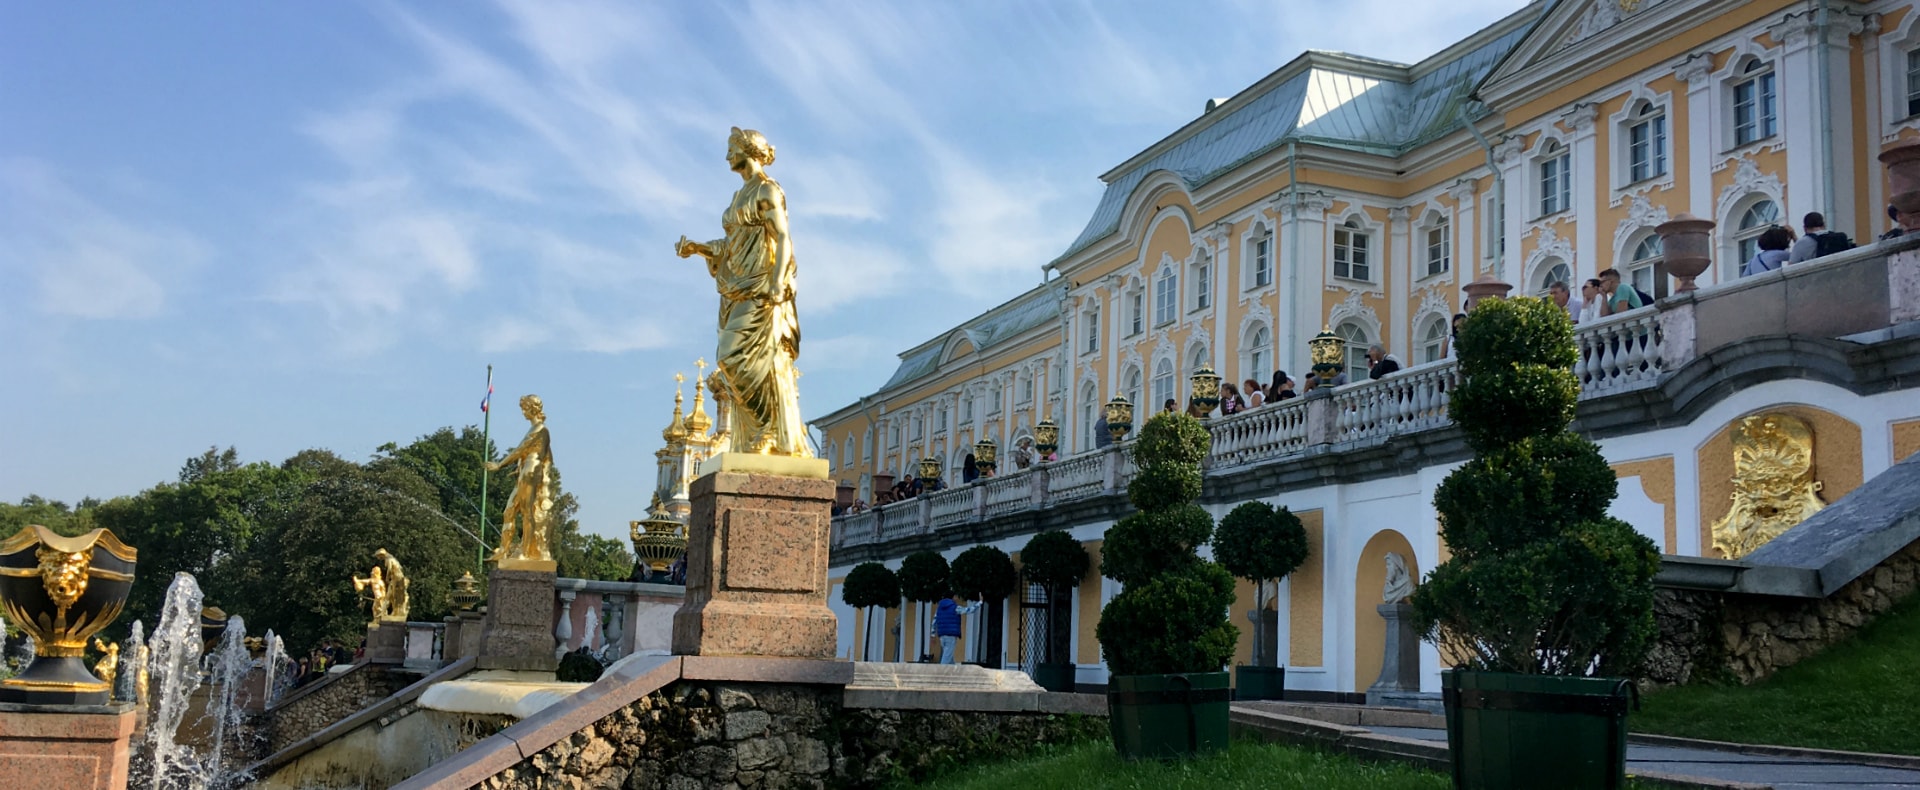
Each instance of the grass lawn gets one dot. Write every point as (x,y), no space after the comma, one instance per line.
(1094,765)
(1858,695)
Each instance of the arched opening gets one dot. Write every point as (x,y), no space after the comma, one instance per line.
(1369,628)
(1357,340)
(1433,339)
(1762,214)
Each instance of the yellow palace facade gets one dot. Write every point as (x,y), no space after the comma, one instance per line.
(1345,192)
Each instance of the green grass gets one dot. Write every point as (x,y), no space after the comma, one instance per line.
(1858,695)
(1093,765)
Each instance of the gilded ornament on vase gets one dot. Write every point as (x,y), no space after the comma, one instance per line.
(62,591)
(109,664)
(1773,485)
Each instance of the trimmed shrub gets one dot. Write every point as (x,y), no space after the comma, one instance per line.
(1054,560)
(871,584)
(924,577)
(1542,580)
(984,573)
(1261,544)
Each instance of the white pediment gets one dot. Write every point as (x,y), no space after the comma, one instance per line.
(1585,26)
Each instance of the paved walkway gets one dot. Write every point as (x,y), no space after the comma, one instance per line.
(1781,773)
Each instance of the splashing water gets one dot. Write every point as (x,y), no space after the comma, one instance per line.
(276,663)
(126,685)
(229,665)
(591,638)
(175,674)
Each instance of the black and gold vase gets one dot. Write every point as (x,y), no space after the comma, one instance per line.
(62,591)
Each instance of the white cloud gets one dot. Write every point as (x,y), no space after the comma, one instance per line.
(88,261)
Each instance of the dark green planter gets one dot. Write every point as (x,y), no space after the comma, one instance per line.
(1054,677)
(1528,731)
(1253,682)
(1163,717)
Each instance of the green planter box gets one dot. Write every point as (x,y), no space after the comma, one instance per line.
(1162,717)
(1252,683)
(1054,677)
(1528,731)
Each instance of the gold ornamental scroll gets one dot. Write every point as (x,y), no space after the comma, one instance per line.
(1773,485)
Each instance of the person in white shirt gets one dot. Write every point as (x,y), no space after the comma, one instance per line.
(1564,299)
(1590,292)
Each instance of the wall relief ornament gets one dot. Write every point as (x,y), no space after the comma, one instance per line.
(1773,485)
(1550,245)
(1353,307)
(1604,14)
(1747,180)
(1641,213)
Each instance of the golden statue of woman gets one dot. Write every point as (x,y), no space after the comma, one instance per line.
(528,519)
(753,268)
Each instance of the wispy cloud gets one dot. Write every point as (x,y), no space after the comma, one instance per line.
(84,259)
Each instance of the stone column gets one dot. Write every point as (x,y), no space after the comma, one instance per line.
(1587,258)
(563,630)
(1400,669)
(757,560)
(68,747)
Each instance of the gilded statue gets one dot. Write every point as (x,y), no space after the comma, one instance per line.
(753,268)
(1773,485)
(396,578)
(375,586)
(527,522)
(109,665)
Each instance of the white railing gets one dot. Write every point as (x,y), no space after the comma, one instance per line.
(952,506)
(1619,353)
(1412,400)
(1010,494)
(900,520)
(859,528)
(1266,432)
(1075,478)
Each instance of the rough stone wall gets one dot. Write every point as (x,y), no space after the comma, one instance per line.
(693,735)
(1744,638)
(313,709)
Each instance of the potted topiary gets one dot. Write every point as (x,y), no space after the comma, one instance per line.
(1261,544)
(985,574)
(870,584)
(1166,634)
(923,580)
(1547,602)
(1056,562)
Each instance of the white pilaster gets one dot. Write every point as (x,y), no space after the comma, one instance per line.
(1508,155)
(1819,145)
(1587,258)
(1310,271)
(1400,271)
(1465,251)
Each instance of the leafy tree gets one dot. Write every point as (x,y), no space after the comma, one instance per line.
(924,578)
(983,573)
(52,514)
(870,584)
(1542,580)
(588,556)
(1261,544)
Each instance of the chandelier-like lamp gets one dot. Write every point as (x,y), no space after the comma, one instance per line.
(1119,417)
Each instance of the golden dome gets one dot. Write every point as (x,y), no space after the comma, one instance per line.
(697,423)
(675,431)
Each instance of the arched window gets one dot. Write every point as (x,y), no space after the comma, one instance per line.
(1202,281)
(1131,387)
(866,445)
(1136,311)
(1753,222)
(1439,246)
(1646,141)
(1756,114)
(846,453)
(966,408)
(1258,353)
(1550,271)
(1351,257)
(1433,340)
(1093,330)
(1162,383)
(1089,405)
(1646,269)
(1556,178)
(1166,296)
(1357,343)
(1260,252)
(1199,359)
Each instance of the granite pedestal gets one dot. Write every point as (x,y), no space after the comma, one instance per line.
(463,636)
(65,747)
(517,631)
(757,566)
(1400,668)
(387,642)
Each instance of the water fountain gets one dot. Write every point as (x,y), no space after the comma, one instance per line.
(126,686)
(228,668)
(275,665)
(175,672)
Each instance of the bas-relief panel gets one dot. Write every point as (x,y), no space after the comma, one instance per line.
(1306,610)
(1369,630)
(1837,464)
(1646,500)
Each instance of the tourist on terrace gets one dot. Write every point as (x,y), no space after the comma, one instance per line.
(1453,336)
(1819,242)
(1230,401)
(1592,301)
(1023,453)
(969,469)
(946,625)
(1773,243)
(1563,297)
(1620,297)
(1255,397)
(1170,406)
(1380,363)
(1897,231)
(1101,436)
(1282,388)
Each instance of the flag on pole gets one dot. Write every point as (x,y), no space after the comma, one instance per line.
(486,401)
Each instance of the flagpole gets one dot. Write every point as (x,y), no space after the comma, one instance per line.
(486,428)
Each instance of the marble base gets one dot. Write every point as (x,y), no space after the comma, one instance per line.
(757,568)
(517,631)
(387,643)
(70,748)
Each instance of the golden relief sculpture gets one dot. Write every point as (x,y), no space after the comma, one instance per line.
(753,269)
(1773,485)
(109,664)
(61,591)
(527,522)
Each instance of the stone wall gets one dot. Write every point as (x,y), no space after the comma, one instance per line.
(1711,636)
(691,735)
(314,707)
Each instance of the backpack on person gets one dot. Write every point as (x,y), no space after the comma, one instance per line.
(1645,298)
(1829,242)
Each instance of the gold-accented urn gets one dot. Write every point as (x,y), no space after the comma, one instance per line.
(1119,414)
(466,592)
(62,591)
(1046,438)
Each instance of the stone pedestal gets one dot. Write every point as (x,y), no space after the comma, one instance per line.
(1400,668)
(757,567)
(517,630)
(387,642)
(463,636)
(65,747)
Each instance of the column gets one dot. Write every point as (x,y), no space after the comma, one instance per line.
(1819,144)
(1587,257)
(1509,156)
(1399,271)
(1215,240)
(1305,237)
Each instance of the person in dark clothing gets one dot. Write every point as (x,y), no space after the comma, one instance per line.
(1381,363)
(1898,230)
(1170,405)
(1282,388)
(946,625)
(969,470)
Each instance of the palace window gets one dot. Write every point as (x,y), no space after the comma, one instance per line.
(1089,404)
(1093,330)
(1433,340)
(1439,246)
(1165,295)
(1259,350)
(1026,388)
(1753,222)
(1552,270)
(1162,383)
(1202,282)
(1755,108)
(1350,256)
(1556,179)
(1263,260)
(866,446)
(1133,390)
(1356,350)
(1136,312)
(893,442)
(1198,359)
(1647,144)
(966,409)
(942,421)
(1913,82)
(1646,269)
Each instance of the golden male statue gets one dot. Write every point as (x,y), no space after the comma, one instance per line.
(753,268)
(528,520)
(396,577)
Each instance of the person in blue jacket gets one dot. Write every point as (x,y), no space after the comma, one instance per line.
(946,625)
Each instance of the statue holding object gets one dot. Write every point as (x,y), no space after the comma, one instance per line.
(527,523)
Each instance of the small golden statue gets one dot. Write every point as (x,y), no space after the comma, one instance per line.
(140,653)
(753,268)
(375,588)
(109,665)
(1773,485)
(527,522)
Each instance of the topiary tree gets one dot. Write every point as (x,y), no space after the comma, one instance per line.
(1541,581)
(985,574)
(1057,562)
(924,578)
(1261,544)
(870,584)
(1172,615)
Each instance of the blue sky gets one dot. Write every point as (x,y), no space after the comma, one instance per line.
(288,225)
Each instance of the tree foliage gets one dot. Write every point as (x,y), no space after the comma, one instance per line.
(1172,615)
(1259,542)
(924,577)
(1054,560)
(983,573)
(871,584)
(1542,580)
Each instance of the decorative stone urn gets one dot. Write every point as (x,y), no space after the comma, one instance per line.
(1119,417)
(986,456)
(466,589)
(1686,244)
(1046,438)
(1205,394)
(1903,175)
(62,591)
(1328,352)
(1486,286)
